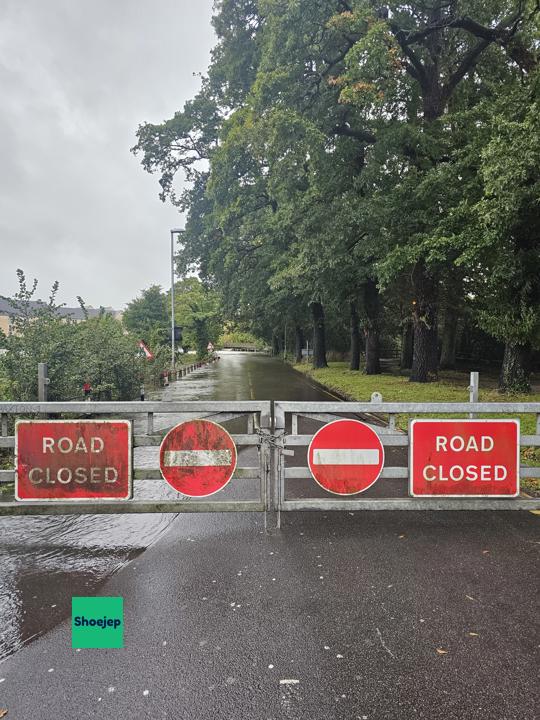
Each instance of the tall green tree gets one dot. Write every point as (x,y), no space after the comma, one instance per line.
(147,317)
(499,234)
(406,66)
(197,311)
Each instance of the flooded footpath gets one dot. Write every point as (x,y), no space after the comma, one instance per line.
(44,561)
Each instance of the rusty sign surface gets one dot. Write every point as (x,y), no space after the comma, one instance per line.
(198,458)
(346,457)
(464,458)
(73,460)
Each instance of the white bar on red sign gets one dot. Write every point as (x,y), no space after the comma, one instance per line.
(197,458)
(345,456)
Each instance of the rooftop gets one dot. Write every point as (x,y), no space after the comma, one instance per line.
(75,313)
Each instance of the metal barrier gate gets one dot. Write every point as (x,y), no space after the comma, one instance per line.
(254,416)
(288,415)
(271,441)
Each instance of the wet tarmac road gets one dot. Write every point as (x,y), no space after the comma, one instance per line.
(361,615)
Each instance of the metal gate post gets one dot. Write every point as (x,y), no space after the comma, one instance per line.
(278,462)
(264,428)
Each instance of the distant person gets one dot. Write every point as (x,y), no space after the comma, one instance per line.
(142,393)
(87,390)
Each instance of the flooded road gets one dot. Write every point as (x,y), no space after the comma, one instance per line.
(246,376)
(44,561)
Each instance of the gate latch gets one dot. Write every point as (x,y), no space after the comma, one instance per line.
(273,441)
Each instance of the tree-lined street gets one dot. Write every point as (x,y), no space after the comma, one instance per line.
(364,165)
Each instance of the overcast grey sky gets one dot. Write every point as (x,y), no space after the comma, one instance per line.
(76,79)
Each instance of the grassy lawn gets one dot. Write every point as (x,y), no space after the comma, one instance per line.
(451,387)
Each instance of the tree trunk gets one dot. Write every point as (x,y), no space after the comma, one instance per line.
(449,340)
(372,306)
(434,349)
(298,343)
(275,345)
(425,354)
(355,338)
(515,370)
(407,344)
(319,336)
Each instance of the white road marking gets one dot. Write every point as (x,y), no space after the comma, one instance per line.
(346,456)
(197,458)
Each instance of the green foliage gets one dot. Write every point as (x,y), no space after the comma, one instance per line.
(239,337)
(107,358)
(152,370)
(197,311)
(95,350)
(508,220)
(335,144)
(148,317)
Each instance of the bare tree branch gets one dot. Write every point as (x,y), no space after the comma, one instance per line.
(467,64)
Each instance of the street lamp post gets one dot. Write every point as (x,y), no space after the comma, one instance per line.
(174,231)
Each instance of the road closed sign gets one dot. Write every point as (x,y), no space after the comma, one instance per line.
(464,458)
(73,460)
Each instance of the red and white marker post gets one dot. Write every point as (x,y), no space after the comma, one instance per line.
(346,457)
(464,458)
(198,458)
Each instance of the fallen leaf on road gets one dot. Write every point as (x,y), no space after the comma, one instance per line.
(3,713)
(402,536)
(442,652)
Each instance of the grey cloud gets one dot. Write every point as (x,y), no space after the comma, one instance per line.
(76,78)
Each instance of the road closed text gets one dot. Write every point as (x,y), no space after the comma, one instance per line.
(73,460)
(464,458)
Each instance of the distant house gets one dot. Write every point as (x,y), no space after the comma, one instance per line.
(8,311)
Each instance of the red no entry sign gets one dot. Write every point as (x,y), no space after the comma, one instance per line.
(73,460)
(346,457)
(464,458)
(198,458)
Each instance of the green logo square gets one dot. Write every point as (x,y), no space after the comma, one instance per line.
(97,622)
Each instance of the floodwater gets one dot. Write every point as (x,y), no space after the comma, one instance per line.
(44,561)
(247,376)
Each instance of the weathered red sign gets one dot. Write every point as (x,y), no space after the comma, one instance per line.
(73,460)
(346,457)
(464,458)
(198,458)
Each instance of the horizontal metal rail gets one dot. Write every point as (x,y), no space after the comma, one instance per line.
(407,503)
(292,440)
(395,473)
(151,440)
(134,407)
(407,408)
